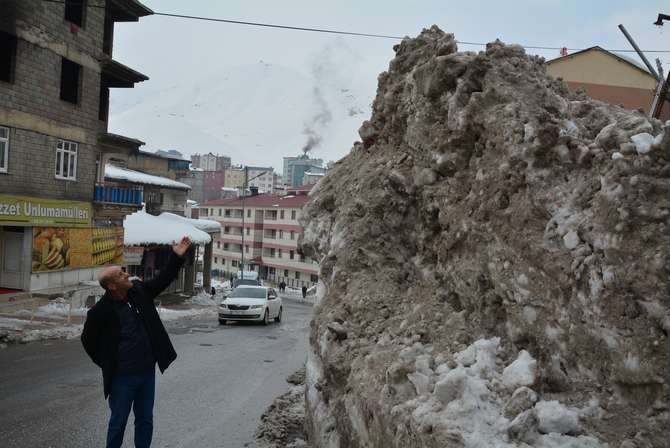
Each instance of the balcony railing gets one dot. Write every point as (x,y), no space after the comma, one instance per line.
(118,195)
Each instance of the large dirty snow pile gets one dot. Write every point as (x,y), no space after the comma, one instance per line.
(495,264)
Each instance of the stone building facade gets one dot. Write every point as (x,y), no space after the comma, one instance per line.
(56,69)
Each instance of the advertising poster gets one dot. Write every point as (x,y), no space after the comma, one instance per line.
(56,248)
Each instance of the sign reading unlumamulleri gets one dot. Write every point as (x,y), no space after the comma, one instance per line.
(27,211)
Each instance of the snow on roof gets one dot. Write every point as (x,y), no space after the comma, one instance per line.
(119,173)
(191,202)
(141,228)
(205,225)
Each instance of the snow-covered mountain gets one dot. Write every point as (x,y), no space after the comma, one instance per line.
(256,114)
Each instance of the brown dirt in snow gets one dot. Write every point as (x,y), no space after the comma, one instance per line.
(283,423)
(486,201)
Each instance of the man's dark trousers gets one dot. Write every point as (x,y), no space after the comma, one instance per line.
(136,389)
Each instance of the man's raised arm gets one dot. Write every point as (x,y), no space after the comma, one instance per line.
(169,272)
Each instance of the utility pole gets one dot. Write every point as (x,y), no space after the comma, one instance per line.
(244,193)
(662,87)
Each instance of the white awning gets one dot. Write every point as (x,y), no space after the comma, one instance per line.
(141,228)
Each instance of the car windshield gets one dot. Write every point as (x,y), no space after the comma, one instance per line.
(252,293)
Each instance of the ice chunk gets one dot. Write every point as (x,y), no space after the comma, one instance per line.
(521,372)
(451,387)
(643,142)
(522,399)
(552,416)
(571,240)
(617,155)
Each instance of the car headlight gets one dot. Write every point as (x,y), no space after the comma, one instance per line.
(255,307)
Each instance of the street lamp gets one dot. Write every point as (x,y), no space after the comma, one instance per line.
(244,193)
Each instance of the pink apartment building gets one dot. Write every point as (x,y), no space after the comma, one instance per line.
(271,230)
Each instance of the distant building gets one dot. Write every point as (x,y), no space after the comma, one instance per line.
(213,181)
(296,167)
(195,178)
(312,178)
(262,178)
(609,77)
(211,162)
(270,233)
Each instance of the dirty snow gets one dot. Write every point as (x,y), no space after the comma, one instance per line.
(495,250)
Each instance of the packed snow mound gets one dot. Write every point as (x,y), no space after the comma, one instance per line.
(491,274)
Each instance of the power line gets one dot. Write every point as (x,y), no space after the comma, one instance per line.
(328,31)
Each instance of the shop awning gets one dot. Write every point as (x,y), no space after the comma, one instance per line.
(143,229)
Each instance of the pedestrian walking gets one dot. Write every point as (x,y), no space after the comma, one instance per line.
(213,292)
(304,291)
(125,337)
(282,286)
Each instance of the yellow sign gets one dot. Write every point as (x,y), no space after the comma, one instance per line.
(26,211)
(56,248)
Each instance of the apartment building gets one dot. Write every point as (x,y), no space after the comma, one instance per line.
(296,167)
(261,177)
(264,230)
(62,218)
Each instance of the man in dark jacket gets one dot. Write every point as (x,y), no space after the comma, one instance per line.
(125,337)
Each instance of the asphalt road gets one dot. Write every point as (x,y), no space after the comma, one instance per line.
(212,396)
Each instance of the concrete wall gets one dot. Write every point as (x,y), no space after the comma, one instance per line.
(598,67)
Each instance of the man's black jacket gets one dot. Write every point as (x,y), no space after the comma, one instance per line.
(102,329)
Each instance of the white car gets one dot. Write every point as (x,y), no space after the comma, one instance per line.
(254,303)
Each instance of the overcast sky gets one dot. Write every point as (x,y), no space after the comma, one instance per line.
(175,53)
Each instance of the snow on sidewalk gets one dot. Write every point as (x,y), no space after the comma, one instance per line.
(50,321)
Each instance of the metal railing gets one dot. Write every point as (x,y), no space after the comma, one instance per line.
(118,195)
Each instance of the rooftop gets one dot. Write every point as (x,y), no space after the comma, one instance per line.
(261,200)
(142,229)
(118,173)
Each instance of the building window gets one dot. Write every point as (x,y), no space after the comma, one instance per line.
(4,149)
(233,263)
(74,11)
(272,253)
(285,272)
(7,56)
(103,108)
(314,278)
(293,215)
(248,230)
(292,235)
(216,260)
(248,213)
(291,255)
(227,213)
(219,212)
(280,253)
(246,248)
(218,244)
(281,214)
(272,271)
(66,160)
(70,81)
(281,234)
(225,246)
(211,212)
(302,258)
(297,275)
(226,229)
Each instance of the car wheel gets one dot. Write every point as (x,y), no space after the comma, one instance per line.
(266,317)
(222,321)
(278,318)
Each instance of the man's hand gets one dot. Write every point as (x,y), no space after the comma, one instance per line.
(181,248)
